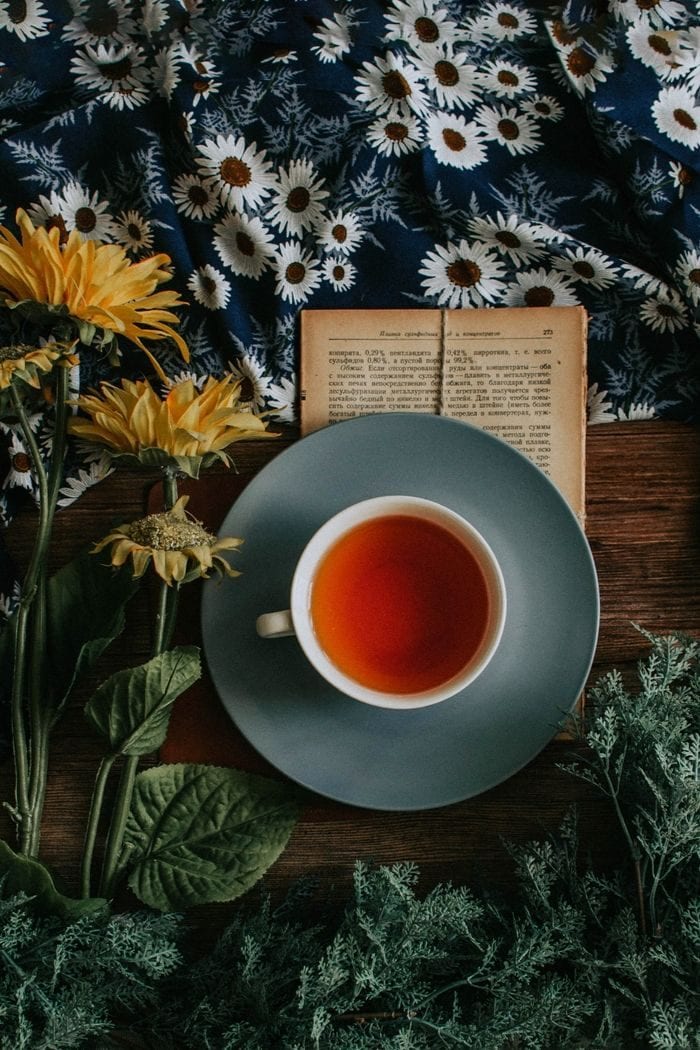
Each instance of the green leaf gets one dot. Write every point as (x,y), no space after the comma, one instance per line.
(132,708)
(23,874)
(86,601)
(202,833)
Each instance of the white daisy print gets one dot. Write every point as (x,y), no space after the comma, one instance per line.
(195,197)
(298,200)
(655,12)
(599,407)
(281,56)
(255,384)
(209,287)
(100,23)
(85,212)
(506,22)
(637,410)
(391,87)
(520,241)
(241,173)
(688,272)
(20,474)
(244,245)
(46,212)
(76,486)
(510,128)
(662,50)
(339,273)
(118,72)
(506,79)
(393,138)
(419,22)
(587,68)
(643,280)
(545,107)
(587,265)
(27,20)
(680,175)
(541,288)
(462,275)
(448,74)
(341,231)
(675,114)
(134,232)
(153,15)
(455,142)
(166,74)
(333,38)
(282,400)
(666,312)
(298,273)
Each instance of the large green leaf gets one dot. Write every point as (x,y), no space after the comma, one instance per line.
(202,833)
(19,873)
(132,708)
(86,601)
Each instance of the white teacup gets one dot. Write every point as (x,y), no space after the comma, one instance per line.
(397,601)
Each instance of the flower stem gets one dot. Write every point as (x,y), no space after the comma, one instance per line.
(98,795)
(165,622)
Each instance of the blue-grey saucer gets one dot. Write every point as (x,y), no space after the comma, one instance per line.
(434,756)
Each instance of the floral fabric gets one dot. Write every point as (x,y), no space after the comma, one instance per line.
(369,154)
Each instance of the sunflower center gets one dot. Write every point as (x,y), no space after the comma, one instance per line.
(508,239)
(235,172)
(245,244)
(583,269)
(684,119)
(508,128)
(539,295)
(396,132)
(395,85)
(446,73)
(298,199)
(464,272)
(508,78)
(165,532)
(580,62)
(426,29)
(117,70)
(17,10)
(14,351)
(339,233)
(85,220)
(295,273)
(454,140)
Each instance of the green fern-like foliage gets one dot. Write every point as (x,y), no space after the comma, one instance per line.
(572,959)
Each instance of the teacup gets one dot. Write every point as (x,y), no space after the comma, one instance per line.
(396,601)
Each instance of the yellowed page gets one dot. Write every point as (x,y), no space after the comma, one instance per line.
(518,373)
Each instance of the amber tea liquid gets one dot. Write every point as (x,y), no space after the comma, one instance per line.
(399,604)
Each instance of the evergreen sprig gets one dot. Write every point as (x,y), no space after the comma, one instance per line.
(572,959)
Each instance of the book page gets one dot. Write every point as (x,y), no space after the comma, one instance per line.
(516,372)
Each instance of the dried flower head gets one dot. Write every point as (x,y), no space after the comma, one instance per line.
(178,545)
(24,363)
(186,429)
(95,285)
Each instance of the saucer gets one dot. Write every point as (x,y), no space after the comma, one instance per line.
(404,760)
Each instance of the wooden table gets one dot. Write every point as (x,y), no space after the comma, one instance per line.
(643,485)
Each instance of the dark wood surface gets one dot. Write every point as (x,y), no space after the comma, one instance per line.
(643,497)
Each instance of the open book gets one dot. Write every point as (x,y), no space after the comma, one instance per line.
(517,372)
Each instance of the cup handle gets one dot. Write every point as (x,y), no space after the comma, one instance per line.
(275,624)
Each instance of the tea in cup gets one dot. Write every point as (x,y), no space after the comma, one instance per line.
(397,601)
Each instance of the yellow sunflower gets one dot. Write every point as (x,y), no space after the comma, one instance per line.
(178,545)
(186,429)
(95,283)
(25,363)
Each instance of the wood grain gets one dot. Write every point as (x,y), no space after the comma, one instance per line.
(643,485)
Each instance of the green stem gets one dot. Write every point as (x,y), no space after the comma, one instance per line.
(165,622)
(98,795)
(23,764)
(40,713)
